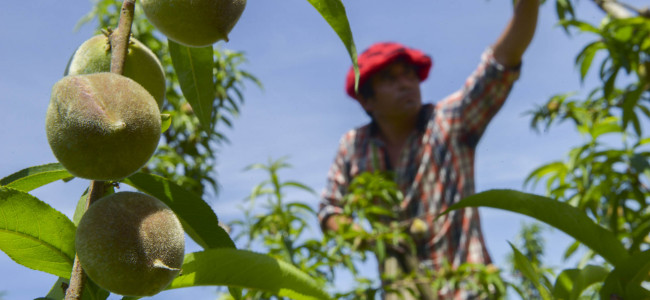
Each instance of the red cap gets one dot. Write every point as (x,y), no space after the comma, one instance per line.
(380,55)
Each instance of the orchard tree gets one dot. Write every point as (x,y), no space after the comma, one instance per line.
(599,193)
(280,227)
(104,122)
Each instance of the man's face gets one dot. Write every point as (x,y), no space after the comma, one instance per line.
(396,92)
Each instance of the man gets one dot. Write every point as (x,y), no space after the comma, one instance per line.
(429,148)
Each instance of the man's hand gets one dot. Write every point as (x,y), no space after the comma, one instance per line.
(340,224)
(335,222)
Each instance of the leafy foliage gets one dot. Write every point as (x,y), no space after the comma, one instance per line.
(280,228)
(605,177)
(372,201)
(577,225)
(532,274)
(532,245)
(34,234)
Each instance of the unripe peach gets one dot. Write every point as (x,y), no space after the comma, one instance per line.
(141,64)
(418,229)
(195,23)
(102,126)
(130,244)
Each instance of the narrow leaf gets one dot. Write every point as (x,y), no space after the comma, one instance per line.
(586,57)
(605,126)
(34,234)
(630,102)
(523,264)
(34,177)
(299,186)
(166,122)
(609,84)
(583,26)
(539,173)
(91,291)
(571,250)
(194,69)
(197,217)
(640,234)
(560,215)
(245,269)
(81,208)
(334,13)
(83,200)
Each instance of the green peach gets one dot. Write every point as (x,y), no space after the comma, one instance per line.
(130,244)
(195,23)
(141,65)
(102,126)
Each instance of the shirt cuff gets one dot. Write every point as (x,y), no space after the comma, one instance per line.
(327,211)
(488,55)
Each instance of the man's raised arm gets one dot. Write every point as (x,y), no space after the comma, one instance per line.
(517,35)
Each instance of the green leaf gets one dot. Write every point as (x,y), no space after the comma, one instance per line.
(34,234)
(609,84)
(639,234)
(562,8)
(166,122)
(194,69)
(582,26)
(625,280)
(630,102)
(81,208)
(607,125)
(83,200)
(586,57)
(523,264)
(571,250)
(236,293)
(245,269)
(539,173)
(560,215)
(299,186)
(572,282)
(196,216)
(34,177)
(334,13)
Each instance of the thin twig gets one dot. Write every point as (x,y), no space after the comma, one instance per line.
(120,37)
(78,278)
(614,8)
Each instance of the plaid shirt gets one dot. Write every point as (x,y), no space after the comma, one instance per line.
(436,166)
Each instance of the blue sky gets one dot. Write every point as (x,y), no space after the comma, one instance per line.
(303,109)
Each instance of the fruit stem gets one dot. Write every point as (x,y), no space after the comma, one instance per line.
(120,37)
(78,279)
